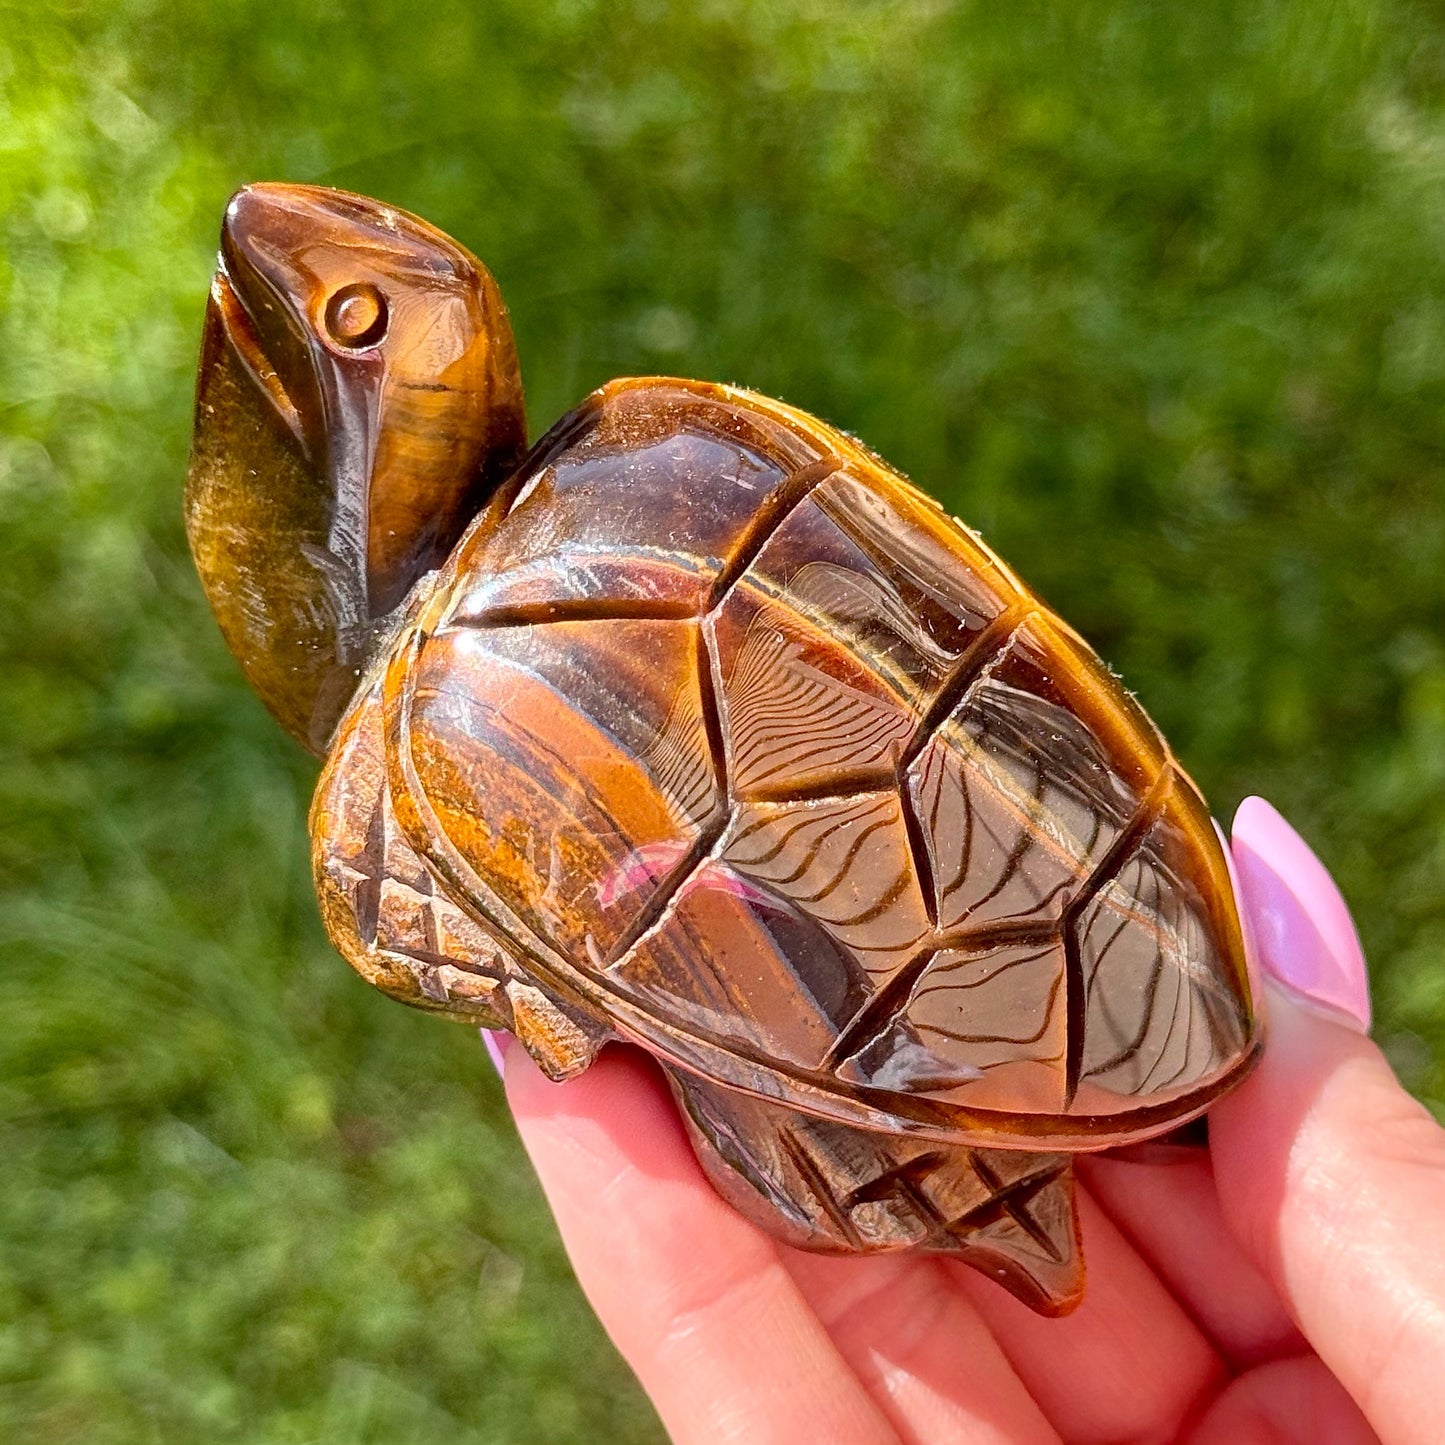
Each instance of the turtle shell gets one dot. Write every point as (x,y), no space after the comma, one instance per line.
(726,740)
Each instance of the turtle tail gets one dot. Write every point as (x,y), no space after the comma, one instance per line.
(829,1187)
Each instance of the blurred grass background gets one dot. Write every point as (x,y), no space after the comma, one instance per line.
(1152,294)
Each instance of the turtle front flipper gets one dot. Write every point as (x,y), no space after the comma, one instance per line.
(395,925)
(832,1188)
(378,899)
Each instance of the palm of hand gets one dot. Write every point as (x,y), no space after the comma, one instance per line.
(735,1337)
(1288,1286)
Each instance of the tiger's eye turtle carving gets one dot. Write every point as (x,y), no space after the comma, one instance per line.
(699,728)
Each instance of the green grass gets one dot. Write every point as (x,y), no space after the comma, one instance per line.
(1152,294)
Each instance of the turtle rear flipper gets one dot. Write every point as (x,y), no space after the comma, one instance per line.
(832,1188)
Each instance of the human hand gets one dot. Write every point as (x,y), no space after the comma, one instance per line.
(1288,1286)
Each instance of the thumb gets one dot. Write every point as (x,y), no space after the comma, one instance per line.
(1330,1174)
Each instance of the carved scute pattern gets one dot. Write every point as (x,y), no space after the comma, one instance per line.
(859,806)
(737,735)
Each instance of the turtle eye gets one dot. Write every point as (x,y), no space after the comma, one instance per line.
(356,315)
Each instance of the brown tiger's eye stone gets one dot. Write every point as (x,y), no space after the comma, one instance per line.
(356,315)
(755,758)
(714,736)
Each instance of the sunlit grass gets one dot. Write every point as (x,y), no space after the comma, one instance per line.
(1152,295)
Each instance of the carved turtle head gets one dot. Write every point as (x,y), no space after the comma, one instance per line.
(358,398)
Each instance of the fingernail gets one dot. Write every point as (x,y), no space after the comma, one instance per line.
(496,1043)
(1302,928)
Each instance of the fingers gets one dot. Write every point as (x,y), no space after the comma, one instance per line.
(1128,1364)
(695,1298)
(1334,1180)
(1331,1176)
(1170,1213)
(1286,1402)
(653,1245)
(920,1349)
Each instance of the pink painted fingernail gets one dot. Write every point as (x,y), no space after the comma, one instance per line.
(496,1042)
(1306,937)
